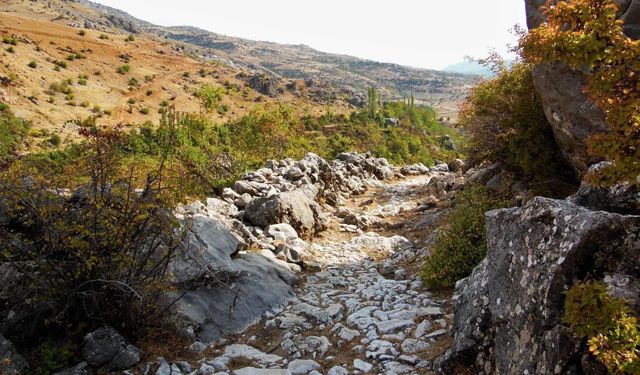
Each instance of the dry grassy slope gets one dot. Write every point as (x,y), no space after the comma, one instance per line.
(442,90)
(44,42)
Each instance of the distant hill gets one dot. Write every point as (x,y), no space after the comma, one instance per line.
(469,67)
(351,76)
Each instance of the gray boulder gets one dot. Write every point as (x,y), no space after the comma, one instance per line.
(621,198)
(12,362)
(572,116)
(236,297)
(106,348)
(292,207)
(508,313)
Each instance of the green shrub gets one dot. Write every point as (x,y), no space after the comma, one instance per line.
(82,33)
(133,82)
(144,110)
(10,40)
(60,64)
(10,49)
(130,38)
(103,260)
(608,323)
(209,96)
(54,140)
(104,37)
(461,244)
(32,64)
(504,122)
(123,69)
(13,130)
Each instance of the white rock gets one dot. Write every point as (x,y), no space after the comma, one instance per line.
(303,366)
(338,370)
(392,326)
(249,352)
(363,366)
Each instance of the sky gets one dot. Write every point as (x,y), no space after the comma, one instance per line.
(420,33)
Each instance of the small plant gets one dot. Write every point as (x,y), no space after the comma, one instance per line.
(84,104)
(97,73)
(144,110)
(133,82)
(96,108)
(104,36)
(107,112)
(82,81)
(149,92)
(202,73)
(32,64)
(130,38)
(124,69)
(462,244)
(82,33)
(60,64)
(10,49)
(51,100)
(54,140)
(10,40)
(186,74)
(209,96)
(609,325)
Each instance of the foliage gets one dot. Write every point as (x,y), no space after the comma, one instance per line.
(504,122)
(209,96)
(32,64)
(123,69)
(100,255)
(13,130)
(587,35)
(462,243)
(608,323)
(373,101)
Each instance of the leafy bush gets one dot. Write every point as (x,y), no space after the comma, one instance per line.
(587,35)
(60,64)
(124,69)
(32,64)
(462,243)
(99,256)
(209,96)
(104,36)
(10,40)
(609,325)
(82,33)
(13,130)
(504,122)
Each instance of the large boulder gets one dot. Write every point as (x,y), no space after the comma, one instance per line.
(508,313)
(292,207)
(623,198)
(219,292)
(106,348)
(235,298)
(573,117)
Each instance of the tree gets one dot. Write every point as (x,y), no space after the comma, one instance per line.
(373,102)
(209,97)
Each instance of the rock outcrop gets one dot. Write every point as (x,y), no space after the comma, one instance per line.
(220,288)
(508,312)
(572,115)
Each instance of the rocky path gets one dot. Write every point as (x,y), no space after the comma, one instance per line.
(360,311)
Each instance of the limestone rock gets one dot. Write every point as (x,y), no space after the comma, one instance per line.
(508,313)
(292,207)
(106,348)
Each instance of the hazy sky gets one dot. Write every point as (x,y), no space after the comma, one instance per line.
(421,33)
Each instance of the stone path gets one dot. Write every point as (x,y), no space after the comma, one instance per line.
(360,312)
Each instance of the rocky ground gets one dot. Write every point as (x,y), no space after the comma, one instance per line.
(361,310)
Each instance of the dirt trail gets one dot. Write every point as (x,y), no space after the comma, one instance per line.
(366,310)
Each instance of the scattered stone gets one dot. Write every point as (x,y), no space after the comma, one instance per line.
(363,366)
